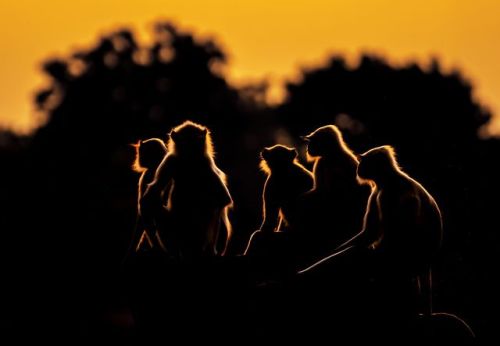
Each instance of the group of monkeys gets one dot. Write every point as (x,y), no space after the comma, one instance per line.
(348,200)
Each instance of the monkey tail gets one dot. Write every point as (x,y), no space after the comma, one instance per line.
(325,260)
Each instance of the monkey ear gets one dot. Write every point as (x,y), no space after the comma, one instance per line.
(264,154)
(306,139)
(173,135)
(203,133)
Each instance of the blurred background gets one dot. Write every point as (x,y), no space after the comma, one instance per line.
(80,81)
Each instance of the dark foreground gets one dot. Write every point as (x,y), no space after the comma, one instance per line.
(245,300)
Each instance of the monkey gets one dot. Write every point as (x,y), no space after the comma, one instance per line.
(401,215)
(198,199)
(333,159)
(286,180)
(148,156)
(402,221)
(332,211)
(146,244)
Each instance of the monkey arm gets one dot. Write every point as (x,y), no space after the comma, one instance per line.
(372,230)
(164,173)
(148,205)
(271,215)
(151,202)
(270,211)
(222,231)
(139,236)
(372,224)
(226,199)
(162,179)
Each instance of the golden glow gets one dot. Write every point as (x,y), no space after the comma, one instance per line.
(265,39)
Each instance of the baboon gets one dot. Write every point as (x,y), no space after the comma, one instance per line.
(198,199)
(332,211)
(286,180)
(402,221)
(148,156)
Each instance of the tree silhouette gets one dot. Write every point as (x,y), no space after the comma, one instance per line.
(68,193)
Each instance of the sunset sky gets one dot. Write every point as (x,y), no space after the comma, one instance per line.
(264,38)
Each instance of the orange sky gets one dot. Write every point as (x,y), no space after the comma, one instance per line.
(265,38)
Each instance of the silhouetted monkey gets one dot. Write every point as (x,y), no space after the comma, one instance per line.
(141,261)
(198,199)
(149,154)
(286,180)
(402,221)
(333,211)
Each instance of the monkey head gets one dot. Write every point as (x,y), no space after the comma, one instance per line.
(149,154)
(325,141)
(190,139)
(277,156)
(377,164)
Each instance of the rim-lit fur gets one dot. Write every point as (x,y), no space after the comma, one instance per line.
(148,154)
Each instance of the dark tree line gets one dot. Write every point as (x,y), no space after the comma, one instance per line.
(68,193)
